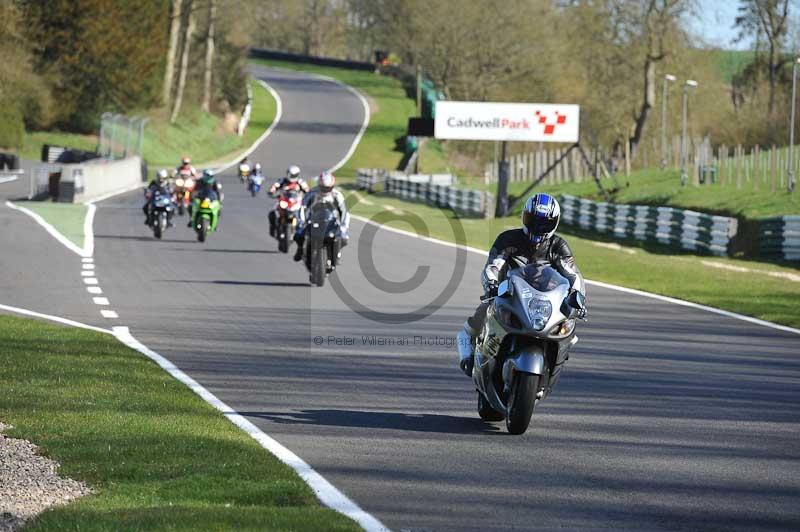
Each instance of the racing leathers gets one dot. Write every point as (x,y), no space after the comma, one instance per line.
(343,216)
(516,243)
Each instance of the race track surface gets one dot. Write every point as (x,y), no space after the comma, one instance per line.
(667,417)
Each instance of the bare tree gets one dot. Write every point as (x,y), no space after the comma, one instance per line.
(209,65)
(172,51)
(768,19)
(184,68)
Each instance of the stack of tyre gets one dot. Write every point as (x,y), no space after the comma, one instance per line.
(8,161)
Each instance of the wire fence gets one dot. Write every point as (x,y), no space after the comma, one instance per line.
(120,136)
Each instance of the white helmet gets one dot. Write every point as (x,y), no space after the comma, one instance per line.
(326,182)
(162,175)
(293,172)
(258,167)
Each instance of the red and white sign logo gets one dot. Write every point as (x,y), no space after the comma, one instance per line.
(507,121)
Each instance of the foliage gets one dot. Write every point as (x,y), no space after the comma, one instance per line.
(156,455)
(105,55)
(12,129)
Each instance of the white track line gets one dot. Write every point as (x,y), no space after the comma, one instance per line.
(87,273)
(100,301)
(52,230)
(88,266)
(90,280)
(110,314)
(325,491)
(8,179)
(262,138)
(87,260)
(57,319)
(94,290)
(609,286)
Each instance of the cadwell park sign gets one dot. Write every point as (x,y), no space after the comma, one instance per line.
(526,122)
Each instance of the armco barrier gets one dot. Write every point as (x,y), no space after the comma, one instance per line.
(95,178)
(322,61)
(665,225)
(780,238)
(433,190)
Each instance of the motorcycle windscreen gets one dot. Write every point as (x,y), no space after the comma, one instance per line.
(321,220)
(541,277)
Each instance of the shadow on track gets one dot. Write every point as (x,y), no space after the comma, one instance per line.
(239,283)
(150,238)
(382,420)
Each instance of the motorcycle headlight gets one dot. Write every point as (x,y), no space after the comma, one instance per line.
(179,182)
(189,183)
(540,311)
(283,204)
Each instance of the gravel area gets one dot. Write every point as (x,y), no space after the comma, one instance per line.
(29,483)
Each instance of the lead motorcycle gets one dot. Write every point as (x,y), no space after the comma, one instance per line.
(323,245)
(161,208)
(525,341)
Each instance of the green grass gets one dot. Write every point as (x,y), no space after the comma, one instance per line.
(157,456)
(646,267)
(390,108)
(654,187)
(196,134)
(66,217)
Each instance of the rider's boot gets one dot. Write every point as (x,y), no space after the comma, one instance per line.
(465,340)
(298,255)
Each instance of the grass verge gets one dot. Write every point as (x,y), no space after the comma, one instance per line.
(766,291)
(196,134)
(390,108)
(67,218)
(157,455)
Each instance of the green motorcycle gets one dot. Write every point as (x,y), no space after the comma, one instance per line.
(205,216)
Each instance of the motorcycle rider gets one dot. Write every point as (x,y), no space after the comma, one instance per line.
(160,183)
(257,170)
(292,180)
(185,168)
(535,241)
(207,187)
(325,192)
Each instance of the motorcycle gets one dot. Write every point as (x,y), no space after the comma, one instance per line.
(206,216)
(244,172)
(525,341)
(184,185)
(323,245)
(289,203)
(160,212)
(254,184)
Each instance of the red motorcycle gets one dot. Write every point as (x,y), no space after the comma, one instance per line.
(184,185)
(289,203)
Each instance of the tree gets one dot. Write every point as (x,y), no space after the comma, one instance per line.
(209,63)
(172,51)
(184,66)
(766,19)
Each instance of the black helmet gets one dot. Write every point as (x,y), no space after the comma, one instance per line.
(540,217)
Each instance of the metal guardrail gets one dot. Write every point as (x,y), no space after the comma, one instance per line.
(780,237)
(433,190)
(665,225)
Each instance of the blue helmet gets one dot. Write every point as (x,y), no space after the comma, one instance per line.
(540,217)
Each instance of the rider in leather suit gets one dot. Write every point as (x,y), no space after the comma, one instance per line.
(535,241)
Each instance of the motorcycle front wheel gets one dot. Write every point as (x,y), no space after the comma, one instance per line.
(521,402)
(317,264)
(203,231)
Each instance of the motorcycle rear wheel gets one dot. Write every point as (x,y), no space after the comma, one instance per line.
(521,402)
(486,412)
(180,208)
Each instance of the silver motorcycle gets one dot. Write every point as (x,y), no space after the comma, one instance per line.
(525,341)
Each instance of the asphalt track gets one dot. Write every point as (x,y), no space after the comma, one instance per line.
(667,417)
